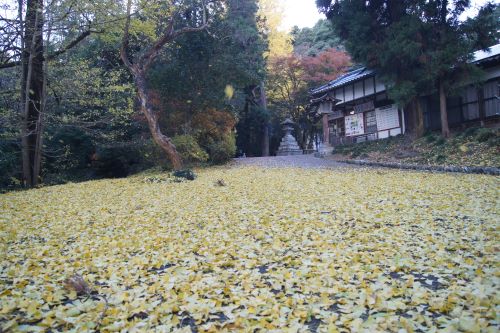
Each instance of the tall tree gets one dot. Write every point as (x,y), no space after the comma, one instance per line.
(175,26)
(253,43)
(312,41)
(271,13)
(417,46)
(23,45)
(292,76)
(32,84)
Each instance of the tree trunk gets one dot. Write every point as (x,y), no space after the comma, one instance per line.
(37,163)
(414,118)
(445,130)
(265,126)
(138,71)
(32,82)
(152,118)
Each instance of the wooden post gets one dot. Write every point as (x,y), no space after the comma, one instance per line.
(326,130)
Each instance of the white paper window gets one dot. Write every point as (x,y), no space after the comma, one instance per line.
(387,117)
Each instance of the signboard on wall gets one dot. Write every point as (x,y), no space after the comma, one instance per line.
(354,125)
(360,108)
(387,117)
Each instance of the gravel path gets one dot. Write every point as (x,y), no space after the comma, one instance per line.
(297,161)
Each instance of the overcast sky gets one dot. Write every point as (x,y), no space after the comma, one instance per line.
(304,13)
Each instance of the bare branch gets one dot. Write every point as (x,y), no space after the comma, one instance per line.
(170,35)
(77,40)
(57,53)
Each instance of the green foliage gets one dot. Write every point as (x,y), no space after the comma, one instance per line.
(90,101)
(70,148)
(312,41)
(122,159)
(114,162)
(358,149)
(10,160)
(223,150)
(193,75)
(189,150)
(186,174)
(440,141)
(414,44)
(430,137)
(484,134)
(249,129)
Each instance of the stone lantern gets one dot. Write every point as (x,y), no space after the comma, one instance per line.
(288,145)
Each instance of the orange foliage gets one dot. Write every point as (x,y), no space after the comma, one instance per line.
(326,66)
(213,123)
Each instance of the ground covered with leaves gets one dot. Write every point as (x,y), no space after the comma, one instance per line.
(254,250)
(473,147)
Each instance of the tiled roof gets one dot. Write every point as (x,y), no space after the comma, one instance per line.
(351,76)
(362,72)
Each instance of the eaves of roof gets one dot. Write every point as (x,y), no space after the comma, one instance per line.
(349,77)
(493,54)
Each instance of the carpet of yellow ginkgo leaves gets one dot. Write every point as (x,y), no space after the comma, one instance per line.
(283,250)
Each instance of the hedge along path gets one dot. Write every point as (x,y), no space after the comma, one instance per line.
(279,249)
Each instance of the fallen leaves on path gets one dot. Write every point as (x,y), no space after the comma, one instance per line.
(284,250)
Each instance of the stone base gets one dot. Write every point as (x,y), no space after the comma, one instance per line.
(324,150)
(289,146)
(289,152)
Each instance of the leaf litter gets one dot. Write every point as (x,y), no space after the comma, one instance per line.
(283,250)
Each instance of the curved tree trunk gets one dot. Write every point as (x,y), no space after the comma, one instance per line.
(138,70)
(162,140)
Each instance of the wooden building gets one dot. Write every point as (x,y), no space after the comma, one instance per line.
(356,106)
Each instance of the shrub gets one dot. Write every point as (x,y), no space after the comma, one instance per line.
(121,160)
(484,134)
(440,141)
(430,138)
(469,131)
(71,148)
(113,162)
(213,124)
(187,174)
(189,150)
(494,142)
(221,151)
(10,160)
(440,158)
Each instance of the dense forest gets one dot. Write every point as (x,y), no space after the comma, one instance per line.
(102,89)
